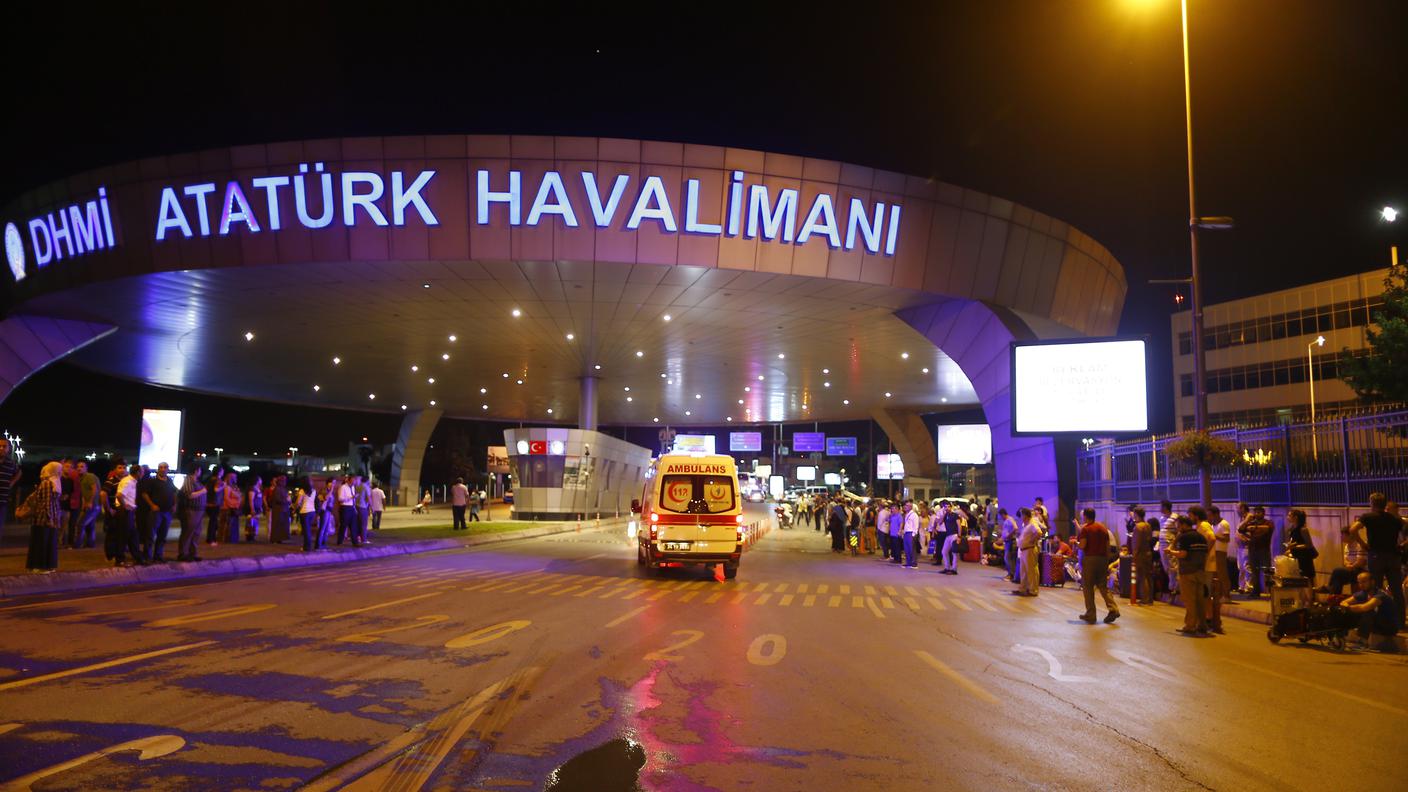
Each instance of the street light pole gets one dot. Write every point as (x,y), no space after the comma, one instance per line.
(1310,370)
(1200,385)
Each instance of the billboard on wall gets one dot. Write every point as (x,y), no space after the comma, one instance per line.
(161,438)
(745,441)
(693,444)
(806,473)
(498,460)
(1086,386)
(965,444)
(889,467)
(803,442)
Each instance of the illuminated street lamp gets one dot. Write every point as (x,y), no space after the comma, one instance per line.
(1310,364)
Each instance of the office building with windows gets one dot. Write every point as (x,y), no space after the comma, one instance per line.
(1260,350)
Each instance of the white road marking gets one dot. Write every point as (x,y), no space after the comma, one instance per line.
(1054,669)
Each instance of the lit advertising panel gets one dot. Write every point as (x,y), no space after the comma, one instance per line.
(888,467)
(806,474)
(965,444)
(745,441)
(1095,386)
(161,438)
(694,444)
(804,442)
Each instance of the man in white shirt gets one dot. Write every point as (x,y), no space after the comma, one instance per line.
(459,499)
(911,534)
(1168,532)
(126,511)
(378,499)
(1028,541)
(882,530)
(1222,542)
(347,512)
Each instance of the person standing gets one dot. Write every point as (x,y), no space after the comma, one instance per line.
(1008,536)
(364,507)
(1190,547)
(1212,607)
(107,500)
(1095,542)
(1226,559)
(305,503)
(1256,537)
(126,511)
(9,477)
(378,499)
(44,509)
(253,509)
(347,512)
(1382,532)
(214,502)
(66,505)
(459,498)
(192,501)
(1028,540)
(1300,545)
(1168,532)
(953,537)
(910,535)
(1141,550)
(897,534)
(882,530)
(159,494)
(86,534)
(279,503)
(1244,575)
(143,518)
(232,502)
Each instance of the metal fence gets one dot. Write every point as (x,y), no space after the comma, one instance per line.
(1332,462)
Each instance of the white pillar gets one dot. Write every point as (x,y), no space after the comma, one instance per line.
(586,406)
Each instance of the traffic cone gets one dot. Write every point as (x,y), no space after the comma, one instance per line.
(719,572)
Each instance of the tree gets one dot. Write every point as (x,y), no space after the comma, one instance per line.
(1205,452)
(1382,374)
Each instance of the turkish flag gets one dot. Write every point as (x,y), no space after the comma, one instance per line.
(537,446)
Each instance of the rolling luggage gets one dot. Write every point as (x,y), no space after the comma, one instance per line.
(974,552)
(1053,569)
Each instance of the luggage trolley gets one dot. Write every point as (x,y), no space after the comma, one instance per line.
(1294,613)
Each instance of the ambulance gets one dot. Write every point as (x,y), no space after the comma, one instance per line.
(690,514)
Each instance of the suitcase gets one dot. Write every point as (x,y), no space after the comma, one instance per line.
(1290,594)
(1126,573)
(1053,569)
(974,553)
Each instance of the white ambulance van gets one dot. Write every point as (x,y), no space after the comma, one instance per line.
(691,514)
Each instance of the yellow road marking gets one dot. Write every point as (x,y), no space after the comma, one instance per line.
(857,601)
(562,591)
(870,603)
(762,599)
(546,589)
(634,594)
(19,683)
(585,592)
(911,603)
(960,603)
(821,588)
(961,680)
(628,615)
(484,635)
(222,613)
(938,605)
(801,588)
(737,598)
(785,601)
(911,591)
(372,635)
(381,605)
(761,587)
(512,589)
(781,587)
(611,593)
(870,591)
(689,595)
(845,589)
(834,602)
(809,600)
(891,591)
(777,650)
(933,592)
(657,595)
(887,602)
(79,616)
(714,597)
(983,605)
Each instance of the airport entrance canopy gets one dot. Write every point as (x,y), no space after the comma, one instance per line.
(503,277)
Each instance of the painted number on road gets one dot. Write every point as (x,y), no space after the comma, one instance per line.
(767,650)
(667,654)
(484,635)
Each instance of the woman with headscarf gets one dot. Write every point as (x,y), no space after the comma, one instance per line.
(45,516)
(279,503)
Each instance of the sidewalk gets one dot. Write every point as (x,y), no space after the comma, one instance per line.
(1259,611)
(401,533)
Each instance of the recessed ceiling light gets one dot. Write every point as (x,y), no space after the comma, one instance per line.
(430,380)
(432,402)
(669,382)
(781,356)
(926,371)
(505,375)
(520,382)
(740,401)
(415,368)
(730,418)
(943,399)
(667,317)
(687,412)
(904,356)
(403,407)
(249,336)
(825,384)
(317,388)
(698,395)
(845,401)
(887,394)
(549,411)
(453,339)
(483,406)
(597,367)
(760,378)
(639,353)
(445,356)
(517,312)
(425,285)
(628,387)
(662,375)
(371,395)
(630,398)
(337,361)
(655,420)
(483,390)
(570,337)
(826,371)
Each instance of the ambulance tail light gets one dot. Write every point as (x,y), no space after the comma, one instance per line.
(654,529)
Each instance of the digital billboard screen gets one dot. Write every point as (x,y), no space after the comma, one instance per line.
(694,444)
(965,444)
(161,438)
(888,467)
(1087,386)
(804,442)
(745,441)
(840,446)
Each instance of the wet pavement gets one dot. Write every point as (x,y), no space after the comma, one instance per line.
(557,663)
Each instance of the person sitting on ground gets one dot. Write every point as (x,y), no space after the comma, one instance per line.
(1375,610)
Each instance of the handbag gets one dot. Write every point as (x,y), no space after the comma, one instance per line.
(25,510)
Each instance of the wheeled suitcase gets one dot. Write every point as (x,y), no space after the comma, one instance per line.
(974,553)
(1053,569)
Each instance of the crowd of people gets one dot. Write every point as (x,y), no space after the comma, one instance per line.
(138,506)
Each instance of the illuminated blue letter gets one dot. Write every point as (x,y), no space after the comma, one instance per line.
(270,185)
(171,216)
(486,197)
(37,226)
(199,191)
(691,212)
(653,191)
(894,230)
(351,200)
(87,234)
(821,220)
(870,230)
(233,195)
(603,214)
(401,197)
(552,183)
(783,216)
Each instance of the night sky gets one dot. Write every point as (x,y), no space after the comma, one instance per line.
(1072,108)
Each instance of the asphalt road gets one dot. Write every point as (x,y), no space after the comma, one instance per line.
(556,663)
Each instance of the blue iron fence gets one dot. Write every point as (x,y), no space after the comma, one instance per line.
(1333,462)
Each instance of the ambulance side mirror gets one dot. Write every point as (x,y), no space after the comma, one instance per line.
(635,506)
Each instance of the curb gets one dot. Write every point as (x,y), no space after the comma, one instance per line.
(27,585)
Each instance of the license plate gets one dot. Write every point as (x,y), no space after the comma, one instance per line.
(677,545)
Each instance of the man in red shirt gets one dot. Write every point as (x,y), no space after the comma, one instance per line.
(1095,545)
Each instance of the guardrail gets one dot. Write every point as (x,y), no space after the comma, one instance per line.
(753,532)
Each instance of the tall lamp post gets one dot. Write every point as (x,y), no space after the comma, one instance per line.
(1310,371)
